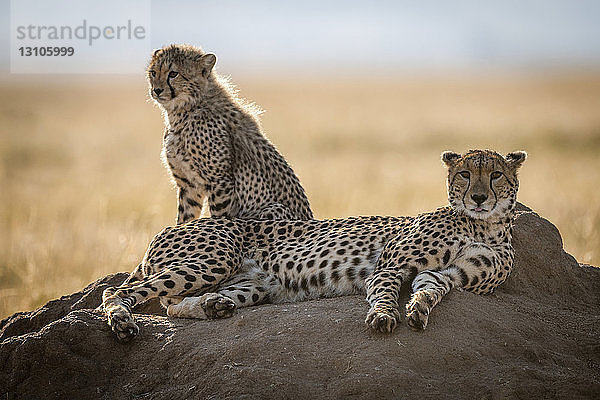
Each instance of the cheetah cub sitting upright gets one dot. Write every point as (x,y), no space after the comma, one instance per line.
(201,267)
(214,146)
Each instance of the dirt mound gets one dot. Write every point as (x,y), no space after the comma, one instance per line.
(537,337)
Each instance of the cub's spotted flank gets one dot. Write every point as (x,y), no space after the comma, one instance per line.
(209,267)
(214,146)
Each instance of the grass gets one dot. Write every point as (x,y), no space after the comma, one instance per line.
(82,188)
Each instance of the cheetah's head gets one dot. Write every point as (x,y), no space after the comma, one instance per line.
(483,184)
(178,74)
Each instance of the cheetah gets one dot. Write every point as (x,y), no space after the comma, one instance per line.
(214,146)
(207,268)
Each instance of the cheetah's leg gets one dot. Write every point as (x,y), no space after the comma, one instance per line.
(244,289)
(383,289)
(396,265)
(170,282)
(468,270)
(136,275)
(221,196)
(189,205)
(276,211)
(428,289)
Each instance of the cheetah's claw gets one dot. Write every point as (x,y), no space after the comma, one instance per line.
(383,320)
(122,324)
(417,314)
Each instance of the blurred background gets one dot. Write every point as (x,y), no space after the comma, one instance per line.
(360,97)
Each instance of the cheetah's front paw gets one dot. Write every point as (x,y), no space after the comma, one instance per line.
(383,320)
(121,322)
(417,311)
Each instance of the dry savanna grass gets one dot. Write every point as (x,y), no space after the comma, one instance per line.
(82,188)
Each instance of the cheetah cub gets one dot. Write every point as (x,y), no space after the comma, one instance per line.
(214,146)
(202,269)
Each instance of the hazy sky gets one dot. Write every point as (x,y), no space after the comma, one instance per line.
(315,36)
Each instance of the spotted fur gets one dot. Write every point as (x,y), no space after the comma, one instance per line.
(209,267)
(214,146)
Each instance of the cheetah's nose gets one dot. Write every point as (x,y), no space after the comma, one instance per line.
(158,91)
(479,198)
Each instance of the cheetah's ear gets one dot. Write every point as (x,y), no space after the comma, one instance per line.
(516,158)
(450,157)
(156,52)
(207,62)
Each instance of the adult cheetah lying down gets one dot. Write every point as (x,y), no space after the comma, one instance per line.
(209,267)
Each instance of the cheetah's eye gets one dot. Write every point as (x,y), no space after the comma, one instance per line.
(153,73)
(496,175)
(173,74)
(465,174)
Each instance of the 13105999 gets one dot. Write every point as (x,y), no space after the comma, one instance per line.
(47,51)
